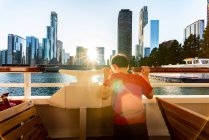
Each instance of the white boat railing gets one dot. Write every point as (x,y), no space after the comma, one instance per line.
(27,85)
(154,123)
(180,84)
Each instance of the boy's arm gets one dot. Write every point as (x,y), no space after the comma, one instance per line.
(107,72)
(106,92)
(150,95)
(145,74)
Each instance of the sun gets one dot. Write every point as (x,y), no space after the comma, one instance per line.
(92,55)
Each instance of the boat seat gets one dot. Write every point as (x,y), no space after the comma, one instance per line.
(183,124)
(21,122)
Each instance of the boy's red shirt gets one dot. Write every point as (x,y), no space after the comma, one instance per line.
(127,97)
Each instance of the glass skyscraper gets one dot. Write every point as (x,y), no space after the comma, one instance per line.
(0,58)
(100,55)
(54,22)
(46,50)
(113,53)
(146,51)
(143,20)
(196,28)
(67,57)
(40,54)
(154,34)
(16,52)
(3,57)
(125,32)
(81,55)
(52,36)
(32,46)
(60,54)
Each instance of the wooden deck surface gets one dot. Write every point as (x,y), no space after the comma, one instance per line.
(111,138)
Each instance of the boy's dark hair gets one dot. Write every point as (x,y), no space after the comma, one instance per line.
(120,60)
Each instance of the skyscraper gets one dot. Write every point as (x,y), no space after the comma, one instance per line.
(138,51)
(81,55)
(54,22)
(52,36)
(113,53)
(60,54)
(196,28)
(32,46)
(125,32)
(100,55)
(67,57)
(143,20)
(146,51)
(16,53)
(50,39)
(208,12)
(3,57)
(40,54)
(154,34)
(0,58)
(46,49)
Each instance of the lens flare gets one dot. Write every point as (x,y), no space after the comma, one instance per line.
(92,54)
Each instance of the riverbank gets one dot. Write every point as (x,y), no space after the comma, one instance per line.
(70,67)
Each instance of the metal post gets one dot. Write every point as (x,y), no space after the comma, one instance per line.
(82,123)
(27,81)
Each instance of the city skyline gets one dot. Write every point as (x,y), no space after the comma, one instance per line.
(94,23)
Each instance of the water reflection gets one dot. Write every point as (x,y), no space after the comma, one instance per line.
(62,78)
(35,78)
(171,90)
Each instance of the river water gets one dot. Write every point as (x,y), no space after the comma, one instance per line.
(62,78)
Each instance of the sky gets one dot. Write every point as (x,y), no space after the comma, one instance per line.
(92,23)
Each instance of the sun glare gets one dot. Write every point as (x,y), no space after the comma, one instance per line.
(92,54)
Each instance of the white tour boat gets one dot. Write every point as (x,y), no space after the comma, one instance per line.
(186,77)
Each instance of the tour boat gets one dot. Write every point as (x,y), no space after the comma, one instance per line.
(186,77)
(77,111)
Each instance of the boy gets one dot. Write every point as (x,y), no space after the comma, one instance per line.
(127,89)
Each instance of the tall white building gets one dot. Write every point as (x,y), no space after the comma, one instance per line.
(143,21)
(196,28)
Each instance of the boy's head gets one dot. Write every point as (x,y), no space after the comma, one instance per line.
(119,61)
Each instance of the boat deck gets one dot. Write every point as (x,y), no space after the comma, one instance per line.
(111,138)
(71,115)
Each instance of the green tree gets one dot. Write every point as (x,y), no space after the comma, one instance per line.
(174,52)
(132,62)
(191,47)
(151,60)
(145,62)
(153,57)
(204,46)
(169,52)
(161,55)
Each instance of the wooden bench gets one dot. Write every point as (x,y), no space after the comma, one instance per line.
(21,122)
(184,124)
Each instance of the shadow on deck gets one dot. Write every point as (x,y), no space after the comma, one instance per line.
(111,138)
